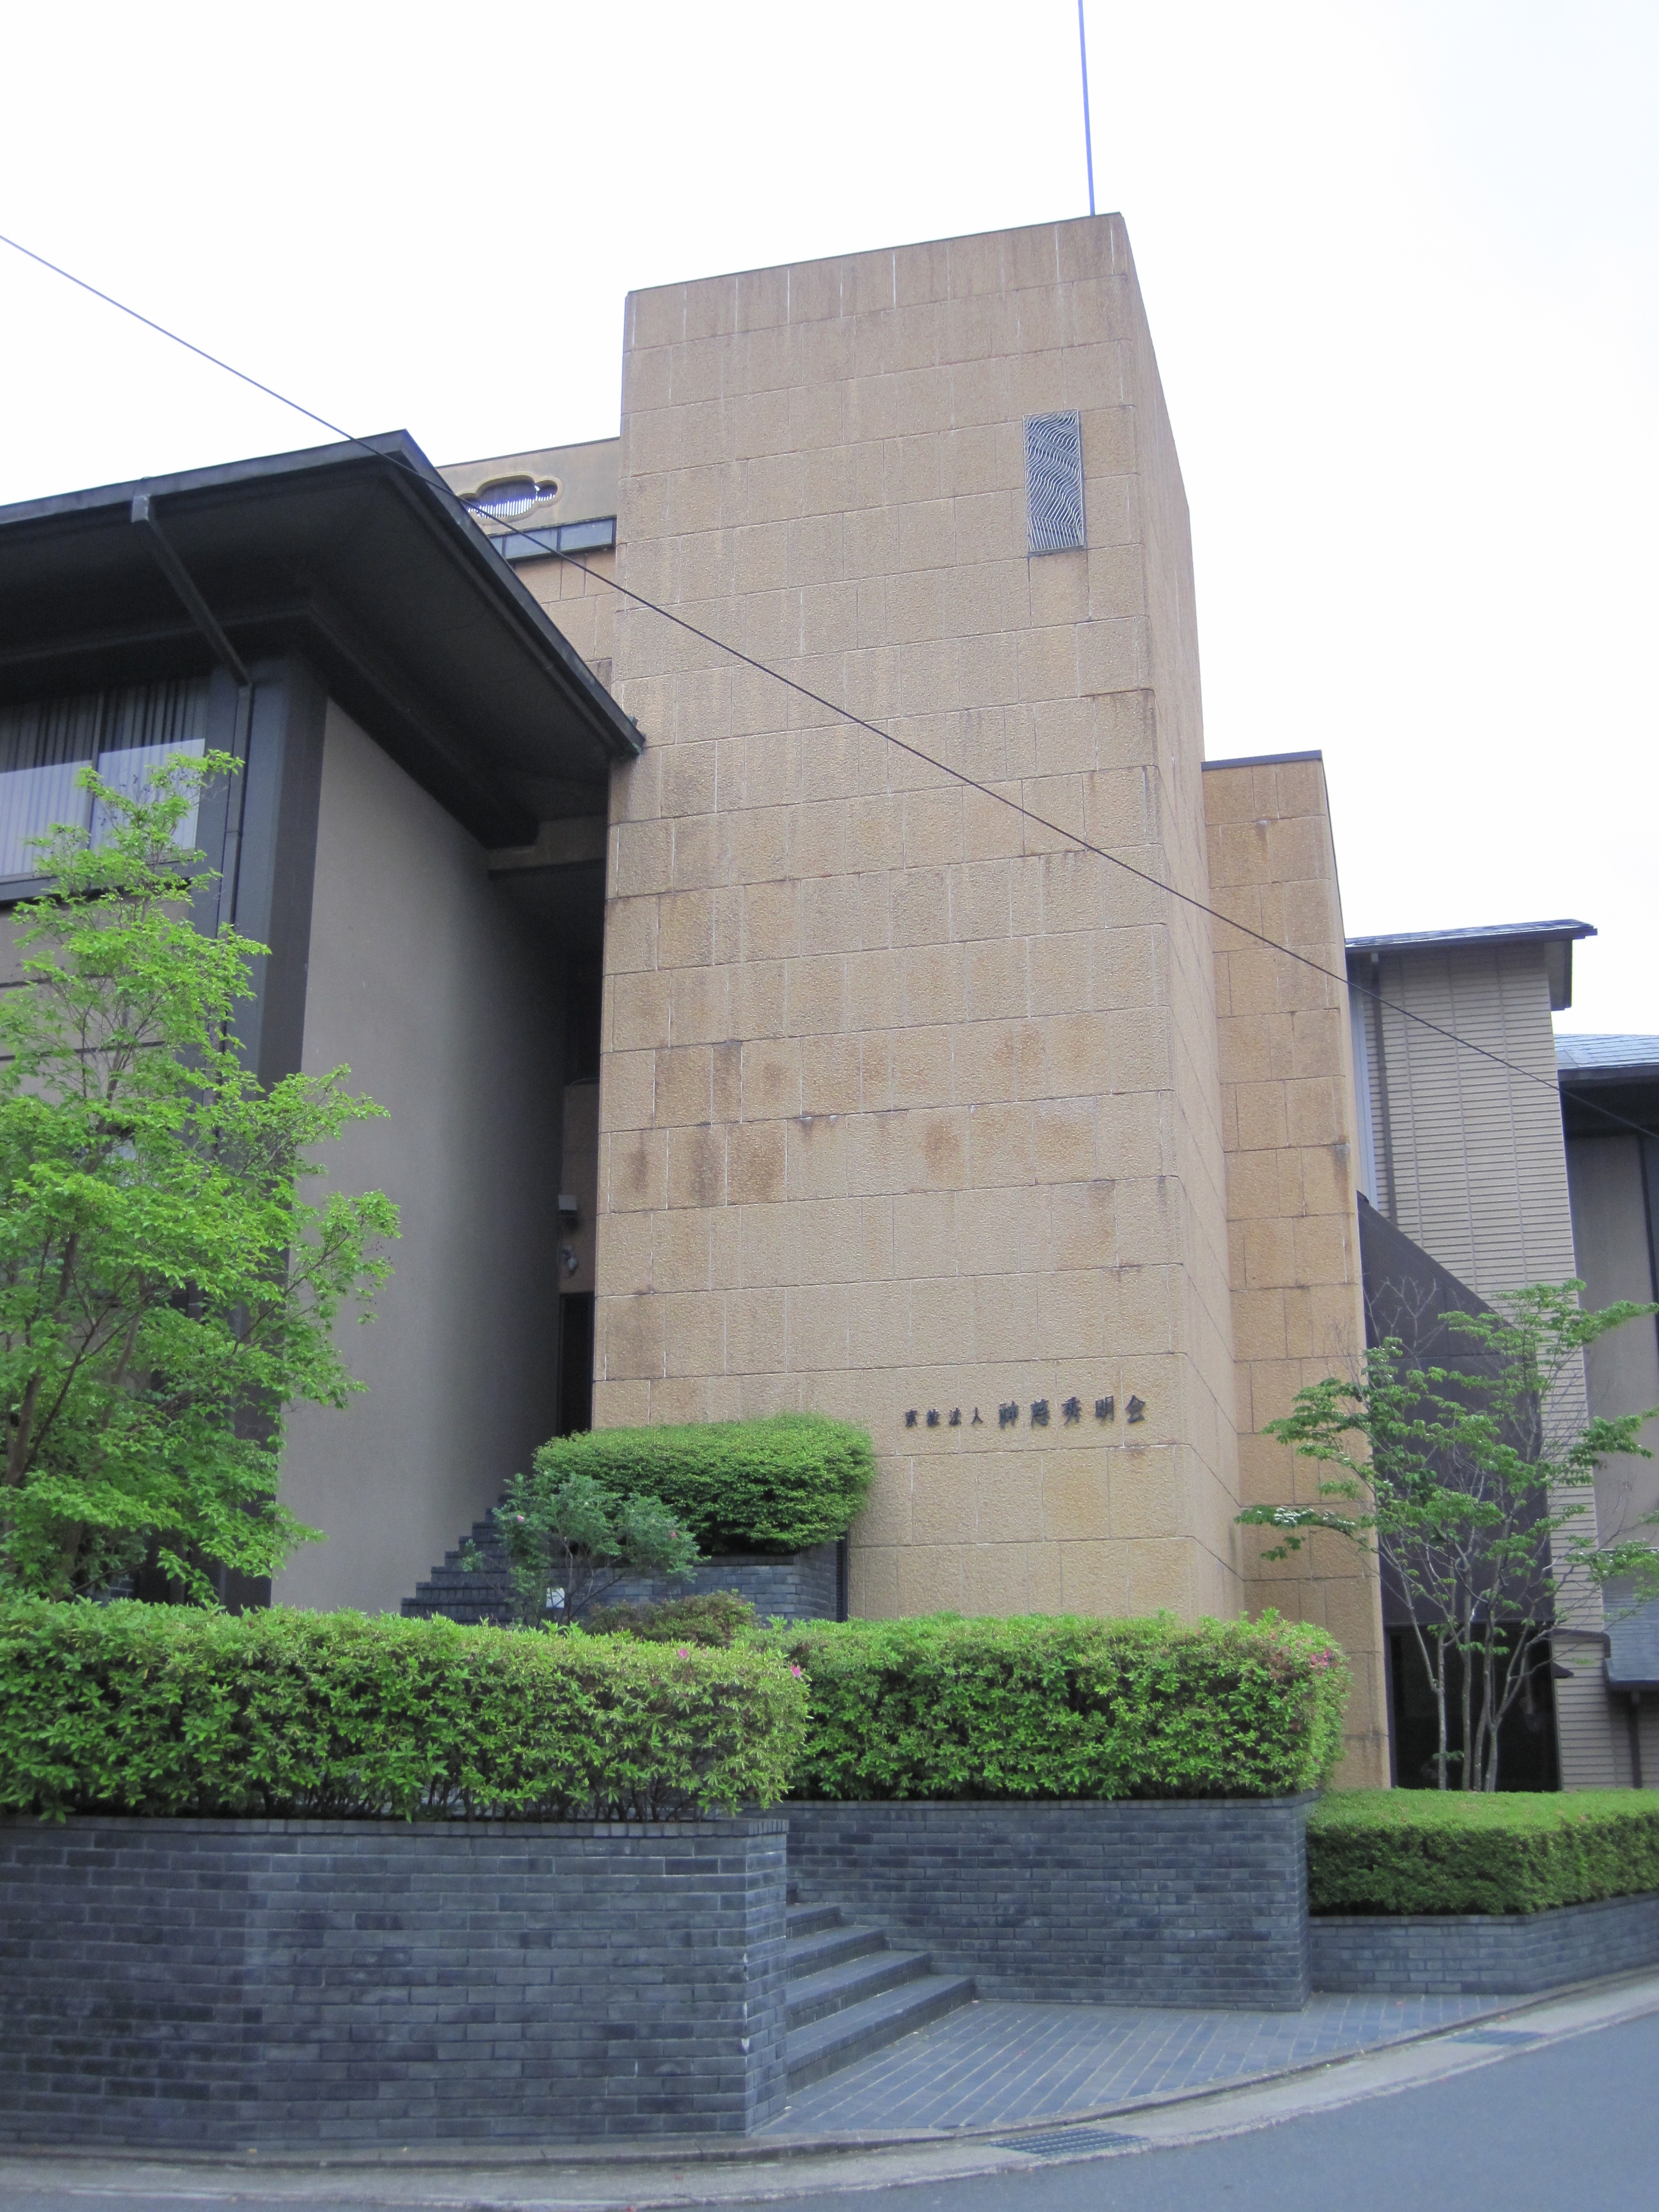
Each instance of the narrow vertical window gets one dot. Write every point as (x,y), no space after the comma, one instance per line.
(1053,482)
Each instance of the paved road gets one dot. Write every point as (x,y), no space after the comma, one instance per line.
(1574,2123)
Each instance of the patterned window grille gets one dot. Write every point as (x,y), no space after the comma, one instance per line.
(127,734)
(1053,482)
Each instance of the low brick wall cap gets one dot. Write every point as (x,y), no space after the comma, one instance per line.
(1068,1804)
(218,1824)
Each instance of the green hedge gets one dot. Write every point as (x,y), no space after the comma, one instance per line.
(161,1708)
(1045,1707)
(779,1484)
(718,1617)
(1428,1851)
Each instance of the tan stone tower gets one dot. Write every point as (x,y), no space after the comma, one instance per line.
(910,1109)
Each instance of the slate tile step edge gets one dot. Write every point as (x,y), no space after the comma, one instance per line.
(843,2038)
(831,1946)
(810,1919)
(815,1997)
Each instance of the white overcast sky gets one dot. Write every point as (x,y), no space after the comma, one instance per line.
(1399,261)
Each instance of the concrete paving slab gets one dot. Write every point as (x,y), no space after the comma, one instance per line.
(1002,2064)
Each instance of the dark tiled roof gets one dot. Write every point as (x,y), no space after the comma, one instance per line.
(1513,933)
(1607,1055)
(1263,760)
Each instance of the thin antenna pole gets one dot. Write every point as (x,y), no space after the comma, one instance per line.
(1088,143)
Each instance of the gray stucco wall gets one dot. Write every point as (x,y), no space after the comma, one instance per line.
(1610,1235)
(1168,1903)
(423,983)
(222,1984)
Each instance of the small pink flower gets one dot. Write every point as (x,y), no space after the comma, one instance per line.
(684,1651)
(796,1672)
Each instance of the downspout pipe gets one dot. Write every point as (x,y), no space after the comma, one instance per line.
(1634,1718)
(147,522)
(1382,1090)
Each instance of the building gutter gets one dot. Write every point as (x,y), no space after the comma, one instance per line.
(147,523)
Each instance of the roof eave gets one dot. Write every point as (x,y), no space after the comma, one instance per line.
(393,455)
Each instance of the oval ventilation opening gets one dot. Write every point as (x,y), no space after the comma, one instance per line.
(509,497)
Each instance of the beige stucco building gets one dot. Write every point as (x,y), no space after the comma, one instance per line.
(768,866)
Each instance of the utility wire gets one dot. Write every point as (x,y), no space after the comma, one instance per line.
(842,713)
(1071,836)
(201,352)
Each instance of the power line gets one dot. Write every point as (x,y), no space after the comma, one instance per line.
(844,714)
(201,352)
(1072,836)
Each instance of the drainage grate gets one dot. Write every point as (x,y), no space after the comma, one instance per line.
(1501,2035)
(1064,2143)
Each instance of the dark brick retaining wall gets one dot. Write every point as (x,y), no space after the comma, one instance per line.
(797,1585)
(1475,1954)
(1177,1903)
(228,1982)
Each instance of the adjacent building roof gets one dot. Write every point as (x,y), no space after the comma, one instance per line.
(1609,1085)
(1607,1059)
(1262,760)
(358,555)
(1556,938)
(1511,932)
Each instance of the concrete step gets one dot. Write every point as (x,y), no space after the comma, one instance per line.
(837,1989)
(841,2038)
(829,1947)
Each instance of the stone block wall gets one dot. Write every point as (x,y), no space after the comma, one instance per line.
(907,1104)
(1187,1903)
(1291,1126)
(222,1984)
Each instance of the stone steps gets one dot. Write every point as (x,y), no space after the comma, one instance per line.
(453,1593)
(813,1997)
(849,1993)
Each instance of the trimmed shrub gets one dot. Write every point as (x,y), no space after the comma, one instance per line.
(1433,1852)
(159,1709)
(782,1484)
(1041,1707)
(716,1617)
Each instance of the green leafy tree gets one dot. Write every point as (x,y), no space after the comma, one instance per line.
(569,1542)
(1475,1484)
(166,1293)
